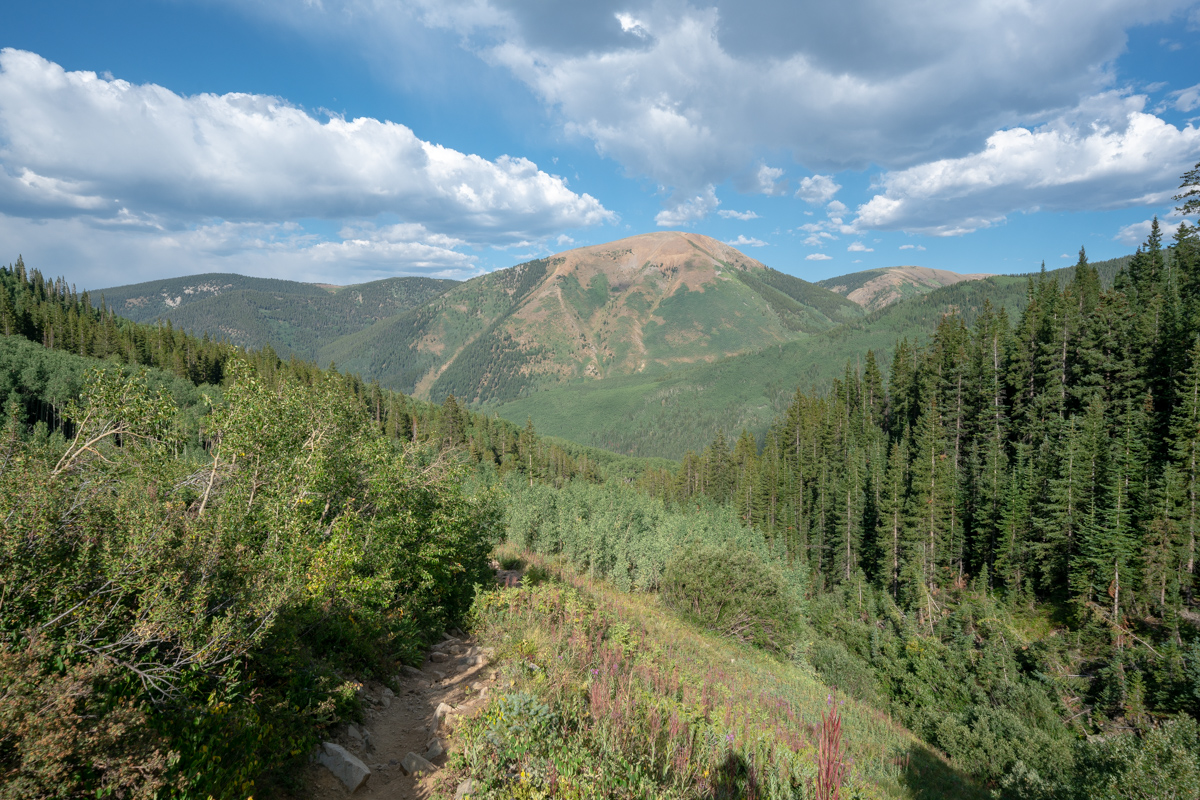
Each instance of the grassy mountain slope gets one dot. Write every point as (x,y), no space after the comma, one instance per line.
(292,317)
(670,413)
(646,304)
(874,289)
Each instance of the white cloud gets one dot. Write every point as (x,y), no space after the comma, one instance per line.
(1136,234)
(1106,154)
(73,143)
(912,247)
(563,239)
(745,216)
(684,211)
(817,189)
(1186,100)
(818,257)
(859,247)
(276,250)
(744,241)
(767,181)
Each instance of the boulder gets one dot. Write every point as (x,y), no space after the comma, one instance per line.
(411,672)
(438,657)
(344,765)
(435,750)
(465,789)
(439,716)
(413,763)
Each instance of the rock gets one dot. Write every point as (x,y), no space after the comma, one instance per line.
(388,692)
(411,672)
(438,657)
(465,789)
(435,750)
(355,735)
(378,767)
(385,701)
(413,763)
(439,716)
(344,766)
(438,674)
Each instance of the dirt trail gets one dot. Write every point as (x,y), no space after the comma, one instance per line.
(456,672)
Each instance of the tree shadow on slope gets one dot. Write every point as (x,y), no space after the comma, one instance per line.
(927,776)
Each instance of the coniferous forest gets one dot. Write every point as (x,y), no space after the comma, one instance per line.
(968,568)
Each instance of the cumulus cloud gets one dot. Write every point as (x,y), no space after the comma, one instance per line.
(745,241)
(767,181)
(278,250)
(690,93)
(686,210)
(912,247)
(859,247)
(817,189)
(74,143)
(1106,154)
(745,216)
(818,257)
(1186,100)
(1136,234)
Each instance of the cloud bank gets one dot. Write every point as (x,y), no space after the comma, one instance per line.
(221,173)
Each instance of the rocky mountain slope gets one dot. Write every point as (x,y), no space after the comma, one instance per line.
(874,289)
(644,304)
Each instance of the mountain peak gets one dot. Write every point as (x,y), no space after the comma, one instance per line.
(874,289)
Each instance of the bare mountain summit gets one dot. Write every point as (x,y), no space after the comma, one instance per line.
(874,289)
(643,304)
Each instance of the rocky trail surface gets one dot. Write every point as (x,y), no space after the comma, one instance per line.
(399,750)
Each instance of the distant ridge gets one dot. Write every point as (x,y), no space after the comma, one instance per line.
(874,289)
(292,317)
(644,304)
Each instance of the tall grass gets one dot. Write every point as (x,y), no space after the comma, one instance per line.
(647,705)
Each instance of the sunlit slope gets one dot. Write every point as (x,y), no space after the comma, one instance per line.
(642,305)
(874,289)
(668,414)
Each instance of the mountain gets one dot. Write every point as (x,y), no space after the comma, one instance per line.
(642,305)
(874,289)
(669,413)
(294,318)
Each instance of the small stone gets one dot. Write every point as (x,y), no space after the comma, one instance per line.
(388,692)
(437,674)
(435,750)
(344,766)
(465,789)
(385,701)
(355,735)
(413,763)
(411,672)
(438,657)
(392,762)
(379,767)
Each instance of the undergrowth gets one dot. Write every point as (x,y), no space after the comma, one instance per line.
(607,694)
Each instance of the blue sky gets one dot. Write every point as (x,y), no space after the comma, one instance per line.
(348,140)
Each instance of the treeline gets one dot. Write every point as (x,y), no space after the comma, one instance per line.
(66,323)
(1057,458)
(1001,537)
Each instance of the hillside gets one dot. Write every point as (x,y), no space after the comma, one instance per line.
(642,305)
(293,318)
(874,289)
(680,410)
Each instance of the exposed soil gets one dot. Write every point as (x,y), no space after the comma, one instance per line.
(397,725)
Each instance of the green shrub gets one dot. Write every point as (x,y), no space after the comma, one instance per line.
(838,667)
(732,592)
(512,562)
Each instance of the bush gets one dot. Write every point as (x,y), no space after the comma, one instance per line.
(838,667)
(734,593)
